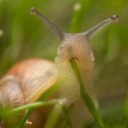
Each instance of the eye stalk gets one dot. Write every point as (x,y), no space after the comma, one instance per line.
(91,32)
(59,33)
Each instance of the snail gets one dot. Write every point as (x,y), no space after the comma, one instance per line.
(27,80)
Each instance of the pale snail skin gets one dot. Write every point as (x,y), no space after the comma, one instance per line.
(32,77)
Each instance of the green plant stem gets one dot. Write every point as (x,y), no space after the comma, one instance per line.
(51,121)
(126,106)
(22,122)
(87,100)
(66,119)
(54,116)
(125,109)
(29,111)
(75,18)
(31,105)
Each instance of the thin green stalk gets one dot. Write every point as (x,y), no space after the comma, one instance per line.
(126,106)
(45,94)
(23,121)
(54,116)
(126,110)
(66,119)
(31,105)
(87,100)
(75,18)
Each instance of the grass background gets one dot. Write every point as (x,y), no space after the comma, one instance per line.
(25,37)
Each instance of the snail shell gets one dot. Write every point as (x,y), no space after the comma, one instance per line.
(27,80)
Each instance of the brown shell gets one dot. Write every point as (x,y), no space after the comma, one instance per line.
(34,76)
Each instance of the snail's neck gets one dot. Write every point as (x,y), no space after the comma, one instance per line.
(69,87)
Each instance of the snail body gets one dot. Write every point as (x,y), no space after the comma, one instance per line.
(27,80)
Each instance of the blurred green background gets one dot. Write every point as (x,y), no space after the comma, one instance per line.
(23,36)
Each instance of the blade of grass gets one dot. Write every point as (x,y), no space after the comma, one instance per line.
(126,110)
(31,105)
(56,112)
(75,18)
(45,94)
(66,119)
(51,121)
(126,106)
(87,100)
